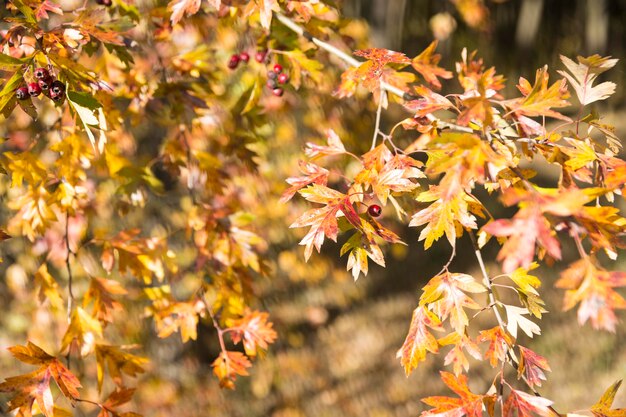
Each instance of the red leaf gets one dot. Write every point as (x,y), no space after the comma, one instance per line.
(525,405)
(468,403)
(532,365)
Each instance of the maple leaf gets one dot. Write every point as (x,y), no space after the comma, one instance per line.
(445,295)
(531,366)
(430,102)
(499,343)
(456,356)
(41,12)
(323,221)
(334,146)
(34,387)
(82,330)
(539,99)
(180,8)
(361,247)
(527,229)
(118,362)
(228,365)
(525,405)
(515,318)
(116,398)
(371,72)
(100,292)
(442,216)
(582,75)
(426,64)
(603,407)
(468,404)
(592,287)
(313,174)
(256,332)
(419,340)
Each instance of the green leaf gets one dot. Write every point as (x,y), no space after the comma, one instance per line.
(8,101)
(84,100)
(8,63)
(26,11)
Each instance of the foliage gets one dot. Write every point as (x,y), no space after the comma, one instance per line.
(151,118)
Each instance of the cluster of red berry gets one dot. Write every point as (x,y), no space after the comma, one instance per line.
(45,83)
(274,77)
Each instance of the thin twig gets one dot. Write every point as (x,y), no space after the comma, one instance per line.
(378,114)
(68,265)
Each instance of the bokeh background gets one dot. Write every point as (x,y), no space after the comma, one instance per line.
(338,338)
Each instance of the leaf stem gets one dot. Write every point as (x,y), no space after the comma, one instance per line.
(378,114)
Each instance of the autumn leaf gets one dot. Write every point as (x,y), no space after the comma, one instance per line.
(82,330)
(429,103)
(468,404)
(116,398)
(180,8)
(456,356)
(532,367)
(323,221)
(443,216)
(582,75)
(41,12)
(313,174)
(255,330)
(603,407)
(446,295)
(515,319)
(539,99)
(592,287)
(360,247)
(228,365)
(118,362)
(100,292)
(34,387)
(526,405)
(426,64)
(499,343)
(419,339)
(334,146)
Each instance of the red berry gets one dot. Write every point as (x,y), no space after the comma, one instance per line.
(56,96)
(283,78)
(374,210)
(260,56)
(278,68)
(271,75)
(271,84)
(34,90)
(277,92)
(41,73)
(104,2)
(45,83)
(22,93)
(244,56)
(233,61)
(57,88)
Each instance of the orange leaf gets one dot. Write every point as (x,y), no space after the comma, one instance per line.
(468,403)
(525,405)
(228,365)
(499,342)
(256,332)
(419,340)
(426,64)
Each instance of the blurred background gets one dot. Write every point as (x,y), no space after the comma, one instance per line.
(335,355)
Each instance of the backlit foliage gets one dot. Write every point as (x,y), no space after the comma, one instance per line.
(139,190)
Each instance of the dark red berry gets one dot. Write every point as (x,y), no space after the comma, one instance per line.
(271,75)
(244,56)
(374,210)
(104,2)
(271,84)
(278,92)
(260,56)
(233,61)
(34,90)
(45,83)
(57,88)
(278,68)
(22,93)
(41,73)
(56,96)
(283,78)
